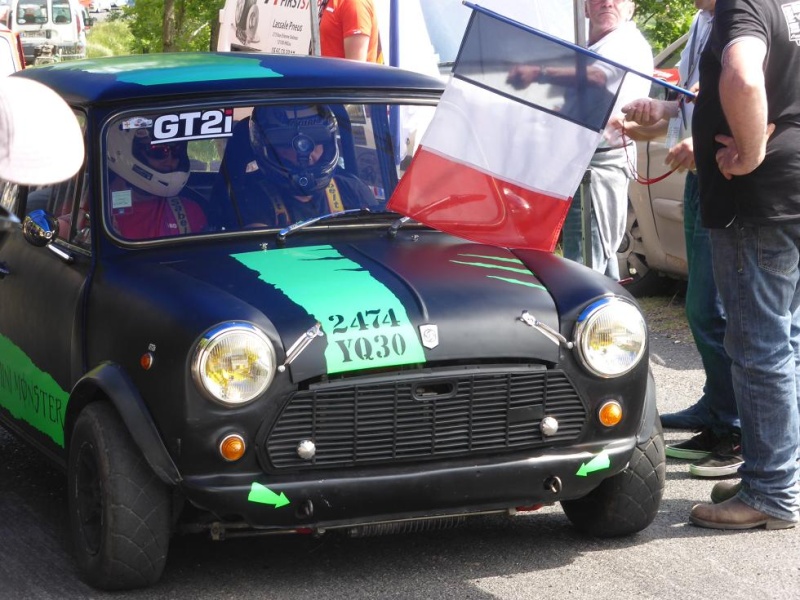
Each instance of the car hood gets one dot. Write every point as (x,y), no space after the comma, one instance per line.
(387,303)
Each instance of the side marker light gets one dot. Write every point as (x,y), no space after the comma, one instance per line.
(232,447)
(610,413)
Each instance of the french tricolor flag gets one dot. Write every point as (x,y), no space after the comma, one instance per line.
(502,158)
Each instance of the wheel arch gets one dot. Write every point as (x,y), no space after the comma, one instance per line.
(650,420)
(108,382)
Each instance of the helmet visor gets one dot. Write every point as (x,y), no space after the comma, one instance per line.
(161,157)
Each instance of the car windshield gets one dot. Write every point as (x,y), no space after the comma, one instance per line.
(213,170)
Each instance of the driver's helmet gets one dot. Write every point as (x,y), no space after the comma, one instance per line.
(300,128)
(134,156)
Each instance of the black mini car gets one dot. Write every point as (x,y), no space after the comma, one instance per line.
(217,326)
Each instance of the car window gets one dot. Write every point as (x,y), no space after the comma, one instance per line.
(9,196)
(62,13)
(172,174)
(32,12)
(667,67)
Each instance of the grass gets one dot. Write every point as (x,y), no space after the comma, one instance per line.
(666,316)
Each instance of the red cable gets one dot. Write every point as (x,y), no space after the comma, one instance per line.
(636,176)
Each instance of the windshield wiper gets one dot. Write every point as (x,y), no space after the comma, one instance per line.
(397,225)
(284,233)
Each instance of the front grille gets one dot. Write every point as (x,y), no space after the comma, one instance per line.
(438,415)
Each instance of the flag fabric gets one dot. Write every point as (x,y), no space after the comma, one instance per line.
(501,160)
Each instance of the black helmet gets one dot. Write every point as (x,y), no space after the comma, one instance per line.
(300,128)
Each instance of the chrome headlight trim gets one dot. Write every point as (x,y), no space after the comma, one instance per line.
(610,337)
(239,373)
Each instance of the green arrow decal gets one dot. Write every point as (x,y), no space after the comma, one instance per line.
(599,463)
(264,495)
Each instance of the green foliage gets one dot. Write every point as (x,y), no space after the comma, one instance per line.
(664,21)
(140,28)
(109,38)
(193,20)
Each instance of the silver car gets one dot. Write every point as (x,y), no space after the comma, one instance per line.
(653,251)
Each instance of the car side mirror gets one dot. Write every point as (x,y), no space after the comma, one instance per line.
(40,228)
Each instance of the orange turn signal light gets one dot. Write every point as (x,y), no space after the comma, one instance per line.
(232,447)
(146,361)
(610,413)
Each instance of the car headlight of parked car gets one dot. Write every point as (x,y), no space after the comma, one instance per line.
(234,363)
(610,337)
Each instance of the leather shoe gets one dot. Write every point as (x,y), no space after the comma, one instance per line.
(734,514)
(725,490)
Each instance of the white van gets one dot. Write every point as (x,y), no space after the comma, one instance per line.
(55,28)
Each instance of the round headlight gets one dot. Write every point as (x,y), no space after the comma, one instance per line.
(610,337)
(234,363)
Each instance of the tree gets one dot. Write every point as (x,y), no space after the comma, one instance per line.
(173,25)
(664,21)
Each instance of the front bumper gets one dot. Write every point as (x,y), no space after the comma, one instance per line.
(325,500)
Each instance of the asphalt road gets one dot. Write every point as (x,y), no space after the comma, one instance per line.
(535,555)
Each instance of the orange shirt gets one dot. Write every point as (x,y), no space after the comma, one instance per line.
(344,18)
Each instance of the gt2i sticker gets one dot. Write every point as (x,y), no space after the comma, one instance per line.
(195,125)
(365,324)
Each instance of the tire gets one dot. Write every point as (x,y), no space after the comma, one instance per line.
(119,510)
(628,502)
(633,268)
(643,281)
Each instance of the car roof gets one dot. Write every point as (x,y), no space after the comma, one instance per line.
(139,77)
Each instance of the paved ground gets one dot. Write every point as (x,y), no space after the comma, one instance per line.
(536,555)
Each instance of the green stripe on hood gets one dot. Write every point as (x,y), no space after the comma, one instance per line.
(365,324)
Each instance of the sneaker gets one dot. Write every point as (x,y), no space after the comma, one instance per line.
(724,461)
(695,448)
(695,417)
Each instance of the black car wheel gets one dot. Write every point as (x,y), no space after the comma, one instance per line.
(639,279)
(119,510)
(628,502)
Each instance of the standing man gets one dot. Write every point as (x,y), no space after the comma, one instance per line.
(349,29)
(746,134)
(613,35)
(716,449)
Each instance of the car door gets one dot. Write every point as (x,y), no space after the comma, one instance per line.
(41,324)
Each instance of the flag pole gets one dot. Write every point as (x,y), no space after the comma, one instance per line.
(313,10)
(394,61)
(586,180)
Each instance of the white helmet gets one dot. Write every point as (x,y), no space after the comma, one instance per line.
(128,154)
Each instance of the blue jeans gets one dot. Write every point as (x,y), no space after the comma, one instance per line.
(757,270)
(706,317)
